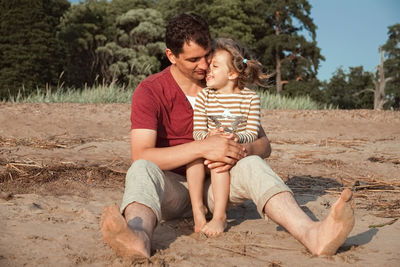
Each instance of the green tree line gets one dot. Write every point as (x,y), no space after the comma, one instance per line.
(51,44)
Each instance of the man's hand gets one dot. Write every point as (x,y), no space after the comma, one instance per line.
(260,147)
(223,166)
(219,148)
(219,166)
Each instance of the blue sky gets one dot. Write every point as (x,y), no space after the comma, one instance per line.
(350,32)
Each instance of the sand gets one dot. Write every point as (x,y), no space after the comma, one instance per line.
(60,164)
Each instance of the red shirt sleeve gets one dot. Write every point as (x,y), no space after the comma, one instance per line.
(145,110)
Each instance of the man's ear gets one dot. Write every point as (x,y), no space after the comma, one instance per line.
(233,75)
(171,56)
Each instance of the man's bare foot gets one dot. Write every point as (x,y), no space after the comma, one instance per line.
(199,218)
(126,242)
(331,233)
(215,227)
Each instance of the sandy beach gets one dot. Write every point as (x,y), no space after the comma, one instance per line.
(60,164)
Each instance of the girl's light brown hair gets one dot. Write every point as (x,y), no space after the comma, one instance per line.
(249,70)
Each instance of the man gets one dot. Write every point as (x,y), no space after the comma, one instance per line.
(162,144)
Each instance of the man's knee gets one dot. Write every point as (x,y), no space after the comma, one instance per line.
(143,169)
(253,168)
(250,162)
(143,164)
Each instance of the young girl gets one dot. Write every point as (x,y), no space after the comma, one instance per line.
(224,107)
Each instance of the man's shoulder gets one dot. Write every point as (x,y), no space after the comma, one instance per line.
(155,85)
(157,78)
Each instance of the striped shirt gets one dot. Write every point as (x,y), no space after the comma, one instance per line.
(212,107)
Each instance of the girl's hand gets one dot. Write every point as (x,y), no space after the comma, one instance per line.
(218,166)
(231,136)
(216,131)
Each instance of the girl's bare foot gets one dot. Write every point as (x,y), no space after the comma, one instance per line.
(117,234)
(215,227)
(199,218)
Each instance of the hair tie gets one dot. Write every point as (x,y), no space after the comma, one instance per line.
(245,61)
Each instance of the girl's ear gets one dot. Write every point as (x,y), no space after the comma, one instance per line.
(233,75)
(170,56)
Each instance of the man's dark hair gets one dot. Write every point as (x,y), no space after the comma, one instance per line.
(185,28)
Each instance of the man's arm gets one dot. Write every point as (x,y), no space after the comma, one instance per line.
(260,147)
(215,148)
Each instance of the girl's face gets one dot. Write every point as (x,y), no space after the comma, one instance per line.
(219,71)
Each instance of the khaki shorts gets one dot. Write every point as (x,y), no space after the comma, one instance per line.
(166,193)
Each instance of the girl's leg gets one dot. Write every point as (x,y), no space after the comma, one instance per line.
(220,183)
(195,178)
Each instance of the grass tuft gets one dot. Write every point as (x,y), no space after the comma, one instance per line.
(95,94)
(275,101)
(119,94)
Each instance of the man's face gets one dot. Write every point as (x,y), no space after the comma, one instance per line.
(193,61)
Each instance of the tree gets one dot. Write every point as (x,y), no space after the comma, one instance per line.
(294,57)
(82,30)
(30,55)
(138,45)
(357,81)
(348,90)
(272,29)
(336,90)
(392,67)
(388,67)
(227,18)
(87,27)
(380,84)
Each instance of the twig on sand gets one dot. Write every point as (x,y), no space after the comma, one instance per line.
(68,162)
(60,146)
(376,186)
(244,245)
(383,224)
(12,166)
(25,165)
(332,191)
(111,163)
(383,190)
(83,148)
(108,166)
(271,247)
(243,253)
(117,171)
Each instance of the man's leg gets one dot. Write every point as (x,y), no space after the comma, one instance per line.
(148,193)
(129,236)
(321,238)
(252,178)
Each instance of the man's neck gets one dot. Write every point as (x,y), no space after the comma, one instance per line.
(190,87)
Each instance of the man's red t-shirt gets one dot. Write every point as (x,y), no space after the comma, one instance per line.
(159,104)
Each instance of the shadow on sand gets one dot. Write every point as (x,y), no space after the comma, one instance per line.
(305,188)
